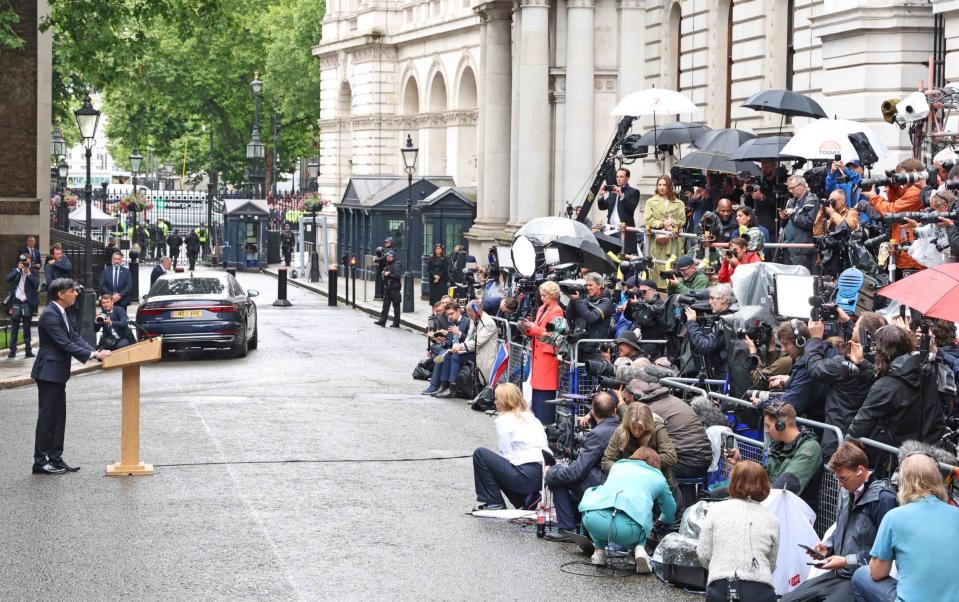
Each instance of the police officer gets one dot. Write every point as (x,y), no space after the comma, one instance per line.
(192,248)
(287,241)
(204,235)
(174,241)
(392,287)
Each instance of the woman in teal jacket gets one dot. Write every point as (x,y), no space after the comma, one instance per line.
(620,511)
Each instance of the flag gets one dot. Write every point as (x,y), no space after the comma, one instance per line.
(500,363)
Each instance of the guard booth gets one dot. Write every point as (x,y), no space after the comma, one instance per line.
(447,215)
(245,237)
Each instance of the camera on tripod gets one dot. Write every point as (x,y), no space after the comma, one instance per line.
(687,178)
(758,331)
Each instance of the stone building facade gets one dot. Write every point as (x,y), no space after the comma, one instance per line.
(514,96)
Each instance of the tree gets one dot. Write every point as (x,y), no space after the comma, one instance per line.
(168,70)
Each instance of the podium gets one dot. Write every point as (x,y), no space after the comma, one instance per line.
(130,358)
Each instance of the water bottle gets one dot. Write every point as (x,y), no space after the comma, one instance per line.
(541,521)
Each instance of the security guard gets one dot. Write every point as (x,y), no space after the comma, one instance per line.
(287,242)
(392,289)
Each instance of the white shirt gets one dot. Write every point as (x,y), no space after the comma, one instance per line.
(21,293)
(522,438)
(614,216)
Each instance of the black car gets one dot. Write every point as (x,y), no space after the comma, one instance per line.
(206,311)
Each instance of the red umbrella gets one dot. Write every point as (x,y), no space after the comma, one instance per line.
(933,292)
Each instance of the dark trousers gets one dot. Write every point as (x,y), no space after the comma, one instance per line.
(718,591)
(824,588)
(174,255)
(543,411)
(192,257)
(391,297)
(493,474)
(48,444)
(566,501)
(22,315)
(287,255)
(447,372)
(159,249)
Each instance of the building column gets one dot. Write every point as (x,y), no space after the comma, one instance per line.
(492,207)
(632,46)
(579,109)
(533,142)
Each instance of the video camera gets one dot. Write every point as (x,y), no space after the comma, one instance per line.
(758,332)
(635,266)
(827,313)
(687,178)
(568,287)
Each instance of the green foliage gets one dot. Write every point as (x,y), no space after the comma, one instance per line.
(8,37)
(170,70)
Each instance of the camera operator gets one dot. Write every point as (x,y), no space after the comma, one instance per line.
(845,178)
(903,404)
(686,277)
(58,265)
(794,459)
(941,235)
(590,315)
(500,307)
(568,482)
(22,302)
(113,323)
(736,254)
(800,391)
(711,344)
(846,377)
(835,214)
(763,196)
(646,310)
(800,216)
(900,199)
(458,260)
(764,369)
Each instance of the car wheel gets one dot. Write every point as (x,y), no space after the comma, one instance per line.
(255,339)
(241,349)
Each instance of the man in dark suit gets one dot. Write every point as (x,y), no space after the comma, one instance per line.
(113,322)
(23,300)
(118,281)
(51,370)
(620,203)
(174,241)
(165,265)
(32,251)
(568,482)
(58,265)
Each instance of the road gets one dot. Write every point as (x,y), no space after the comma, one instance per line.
(311,469)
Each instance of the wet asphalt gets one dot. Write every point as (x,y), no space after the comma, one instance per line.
(311,469)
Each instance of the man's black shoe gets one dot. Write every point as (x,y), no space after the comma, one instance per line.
(12,353)
(64,465)
(29,354)
(444,394)
(480,507)
(48,469)
(395,325)
(560,535)
(378,323)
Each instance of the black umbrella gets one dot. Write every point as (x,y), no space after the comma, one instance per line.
(717,162)
(679,132)
(784,102)
(761,149)
(724,141)
(609,243)
(591,255)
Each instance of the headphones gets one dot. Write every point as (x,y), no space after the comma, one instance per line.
(800,340)
(780,423)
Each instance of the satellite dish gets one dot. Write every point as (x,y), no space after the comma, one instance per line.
(524,256)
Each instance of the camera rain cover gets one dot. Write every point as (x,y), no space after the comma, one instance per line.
(755,284)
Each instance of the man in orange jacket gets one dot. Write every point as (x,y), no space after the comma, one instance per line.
(900,199)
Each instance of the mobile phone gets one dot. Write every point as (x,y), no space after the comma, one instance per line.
(812,552)
(729,442)
(818,565)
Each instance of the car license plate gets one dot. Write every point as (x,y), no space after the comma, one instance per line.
(193,313)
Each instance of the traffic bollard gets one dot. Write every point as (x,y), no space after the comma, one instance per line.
(353,275)
(346,276)
(314,266)
(281,300)
(331,293)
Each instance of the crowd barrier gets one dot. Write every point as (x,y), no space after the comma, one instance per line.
(895,451)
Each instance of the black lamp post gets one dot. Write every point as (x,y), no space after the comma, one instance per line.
(136,160)
(87,120)
(63,210)
(255,150)
(58,148)
(210,193)
(312,171)
(409,162)
(276,151)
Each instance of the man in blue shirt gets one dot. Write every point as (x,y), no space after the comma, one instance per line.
(920,536)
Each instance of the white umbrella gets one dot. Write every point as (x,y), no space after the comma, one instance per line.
(654,101)
(826,138)
(98,219)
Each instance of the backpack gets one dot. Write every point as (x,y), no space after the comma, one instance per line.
(484,401)
(423,369)
(469,381)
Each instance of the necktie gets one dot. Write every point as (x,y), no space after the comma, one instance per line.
(116,279)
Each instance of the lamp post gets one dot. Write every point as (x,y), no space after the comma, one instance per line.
(63,210)
(276,151)
(210,193)
(87,120)
(255,150)
(136,160)
(409,162)
(58,148)
(312,171)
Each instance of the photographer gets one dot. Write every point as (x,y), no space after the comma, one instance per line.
(686,277)
(846,378)
(800,217)
(22,302)
(58,265)
(711,343)
(834,214)
(646,310)
(728,226)
(800,391)
(590,316)
(763,368)
(933,242)
(761,195)
(568,482)
(845,178)
(903,404)
(113,323)
(900,199)
(620,207)
(736,254)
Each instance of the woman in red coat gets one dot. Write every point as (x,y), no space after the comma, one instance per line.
(544,374)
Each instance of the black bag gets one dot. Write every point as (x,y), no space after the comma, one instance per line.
(484,401)
(423,369)
(469,381)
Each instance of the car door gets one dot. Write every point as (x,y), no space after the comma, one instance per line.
(243,302)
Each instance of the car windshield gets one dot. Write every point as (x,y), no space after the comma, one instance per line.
(187,286)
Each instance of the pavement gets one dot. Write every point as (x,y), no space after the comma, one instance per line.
(312,469)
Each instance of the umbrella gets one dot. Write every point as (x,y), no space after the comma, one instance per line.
(785,103)
(717,162)
(679,132)
(98,219)
(609,243)
(591,255)
(761,149)
(654,101)
(933,292)
(825,138)
(724,141)
(529,241)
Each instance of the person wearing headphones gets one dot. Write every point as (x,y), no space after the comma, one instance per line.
(799,389)
(794,459)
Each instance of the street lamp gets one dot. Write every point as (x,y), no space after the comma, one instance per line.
(63,211)
(409,162)
(312,171)
(59,146)
(136,160)
(255,151)
(87,120)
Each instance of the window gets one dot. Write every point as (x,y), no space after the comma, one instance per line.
(187,286)
(396,229)
(428,239)
(453,234)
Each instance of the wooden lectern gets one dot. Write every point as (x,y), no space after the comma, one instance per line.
(130,358)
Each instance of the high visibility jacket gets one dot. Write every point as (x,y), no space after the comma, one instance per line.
(202,234)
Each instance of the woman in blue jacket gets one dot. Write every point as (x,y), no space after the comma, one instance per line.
(620,511)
